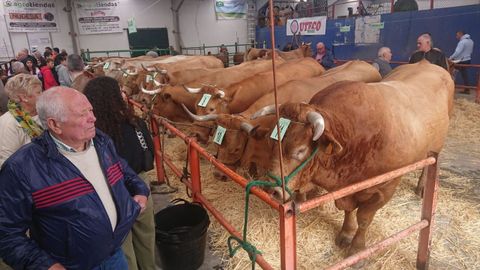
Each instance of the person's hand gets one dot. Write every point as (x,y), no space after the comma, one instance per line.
(57,266)
(142,201)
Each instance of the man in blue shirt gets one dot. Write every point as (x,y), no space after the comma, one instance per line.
(463,55)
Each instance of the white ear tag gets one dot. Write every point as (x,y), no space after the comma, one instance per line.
(219,134)
(284,123)
(204,101)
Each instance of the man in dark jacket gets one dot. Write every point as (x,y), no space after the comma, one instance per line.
(324,56)
(426,51)
(70,189)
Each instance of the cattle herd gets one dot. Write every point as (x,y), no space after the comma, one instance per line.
(352,123)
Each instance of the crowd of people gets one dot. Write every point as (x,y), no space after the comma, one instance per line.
(425,50)
(53,67)
(73,193)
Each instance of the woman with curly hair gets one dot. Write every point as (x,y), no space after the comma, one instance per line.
(131,138)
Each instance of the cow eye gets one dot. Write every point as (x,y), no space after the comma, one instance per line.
(211,109)
(300,153)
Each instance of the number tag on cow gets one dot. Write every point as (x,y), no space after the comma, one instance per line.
(219,133)
(148,78)
(204,101)
(284,123)
(106,65)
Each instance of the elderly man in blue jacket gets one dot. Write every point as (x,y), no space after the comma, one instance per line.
(70,189)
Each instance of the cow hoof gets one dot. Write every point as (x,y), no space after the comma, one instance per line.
(343,240)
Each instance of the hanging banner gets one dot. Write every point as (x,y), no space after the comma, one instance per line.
(98,16)
(307,26)
(30,15)
(231,9)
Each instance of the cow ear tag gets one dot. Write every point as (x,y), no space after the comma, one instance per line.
(148,78)
(106,65)
(204,101)
(219,134)
(284,123)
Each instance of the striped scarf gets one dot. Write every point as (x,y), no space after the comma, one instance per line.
(24,119)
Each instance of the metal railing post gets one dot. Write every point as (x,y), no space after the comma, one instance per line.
(157,145)
(477,98)
(428,214)
(194,163)
(288,237)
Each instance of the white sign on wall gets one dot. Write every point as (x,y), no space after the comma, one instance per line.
(307,26)
(367,29)
(98,16)
(30,15)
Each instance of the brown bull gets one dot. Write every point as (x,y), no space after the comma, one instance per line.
(173,96)
(303,51)
(363,130)
(295,91)
(157,74)
(81,80)
(238,97)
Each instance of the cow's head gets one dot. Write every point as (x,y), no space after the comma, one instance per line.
(167,104)
(307,132)
(232,147)
(203,125)
(217,101)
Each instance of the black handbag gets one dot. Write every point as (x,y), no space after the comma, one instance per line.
(147,153)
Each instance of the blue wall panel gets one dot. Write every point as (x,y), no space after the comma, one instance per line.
(400,33)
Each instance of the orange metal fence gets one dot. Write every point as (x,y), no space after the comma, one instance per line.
(289,210)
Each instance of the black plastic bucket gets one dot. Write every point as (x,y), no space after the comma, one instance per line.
(181,235)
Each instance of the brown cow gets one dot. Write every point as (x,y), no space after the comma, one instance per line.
(156,74)
(361,131)
(303,51)
(81,80)
(176,95)
(294,91)
(238,97)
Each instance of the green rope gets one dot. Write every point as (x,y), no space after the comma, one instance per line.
(243,243)
(295,172)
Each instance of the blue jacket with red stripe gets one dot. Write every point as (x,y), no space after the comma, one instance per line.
(42,191)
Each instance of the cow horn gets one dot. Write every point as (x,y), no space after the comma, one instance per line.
(318,123)
(200,118)
(150,92)
(126,71)
(99,64)
(192,90)
(270,109)
(221,93)
(162,71)
(149,69)
(247,127)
